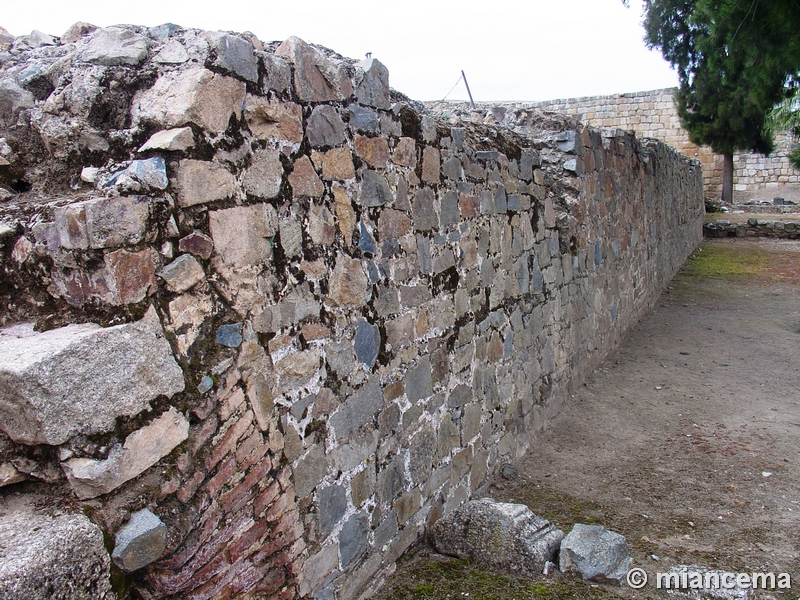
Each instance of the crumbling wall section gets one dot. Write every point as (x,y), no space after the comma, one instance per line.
(369,308)
(654,114)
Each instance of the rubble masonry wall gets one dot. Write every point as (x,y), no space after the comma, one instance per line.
(654,114)
(371,309)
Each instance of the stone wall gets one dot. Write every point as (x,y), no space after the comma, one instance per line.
(654,114)
(753,227)
(273,319)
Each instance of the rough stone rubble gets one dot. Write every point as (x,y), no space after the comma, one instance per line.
(327,316)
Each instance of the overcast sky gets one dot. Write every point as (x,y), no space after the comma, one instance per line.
(509,49)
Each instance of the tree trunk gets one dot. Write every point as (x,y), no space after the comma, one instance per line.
(727,178)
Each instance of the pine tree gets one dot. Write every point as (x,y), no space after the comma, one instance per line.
(735,60)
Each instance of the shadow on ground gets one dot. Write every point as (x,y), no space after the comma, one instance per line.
(687,441)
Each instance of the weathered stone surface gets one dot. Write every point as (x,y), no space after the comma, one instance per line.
(348,283)
(366,243)
(595,553)
(264,176)
(113,46)
(321,225)
(373,87)
(367,342)
(418,381)
(102,222)
(291,234)
(316,78)
(76,380)
(235,247)
(507,537)
(374,190)
(129,276)
(140,542)
(325,127)
(51,557)
(363,119)
(423,210)
(151,172)
(345,214)
(317,567)
(173,53)
(6,37)
(405,153)
(234,54)
(360,408)
(201,181)
(331,507)
(173,140)
(270,118)
(278,75)
(142,449)
(191,96)
(430,165)
(393,223)
(76,31)
(197,243)
(13,99)
(230,335)
(353,538)
(9,475)
(338,164)
(340,357)
(450,212)
(374,150)
(187,314)
(304,179)
(452,169)
(35,39)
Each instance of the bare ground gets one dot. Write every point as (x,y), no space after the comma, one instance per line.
(687,441)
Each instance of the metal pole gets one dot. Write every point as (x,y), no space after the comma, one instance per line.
(471,101)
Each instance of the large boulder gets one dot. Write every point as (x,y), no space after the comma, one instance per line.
(499,535)
(78,379)
(42,556)
(595,553)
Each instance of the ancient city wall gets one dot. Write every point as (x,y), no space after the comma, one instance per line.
(653,114)
(265,320)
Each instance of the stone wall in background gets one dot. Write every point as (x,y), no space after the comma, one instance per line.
(654,114)
(265,319)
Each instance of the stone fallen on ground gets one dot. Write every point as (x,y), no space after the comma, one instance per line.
(595,553)
(499,535)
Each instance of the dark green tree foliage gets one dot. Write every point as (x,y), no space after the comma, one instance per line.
(735,60)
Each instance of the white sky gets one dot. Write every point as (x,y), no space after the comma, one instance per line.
(509,49)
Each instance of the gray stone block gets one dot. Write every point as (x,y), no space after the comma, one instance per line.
(418,381)
(235,54)
(325,127)
(363,119)
(595,553)
(331,506)
(423,210)
(78,379)
(374,190)
(46,557)
(140,542)
(506,537)
(114,46)
(367,342)
(358,409)
(353,538)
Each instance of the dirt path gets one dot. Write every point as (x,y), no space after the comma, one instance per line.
(687,441)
